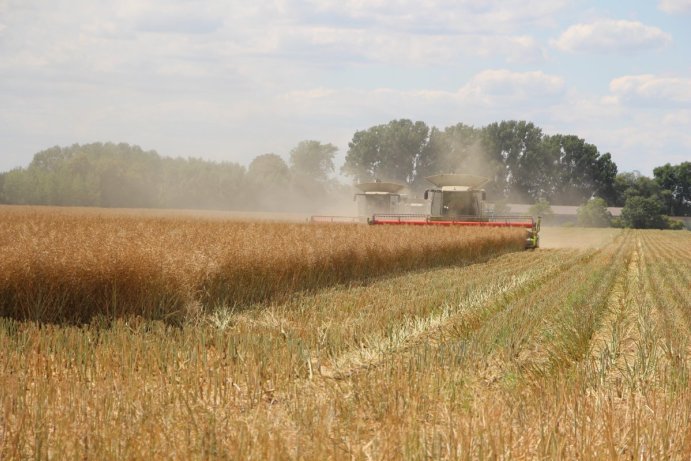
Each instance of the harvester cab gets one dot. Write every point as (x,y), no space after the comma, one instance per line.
(456,196)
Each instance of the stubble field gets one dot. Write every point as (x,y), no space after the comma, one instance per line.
(150,337)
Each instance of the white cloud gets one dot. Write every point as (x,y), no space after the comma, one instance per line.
(159,37)
(679,118)
(489,95)
(432,16)
(515,49)
(651,89)
(637,139)
(230,80)
(407,49)
(612,36)
(675,6)
(403,32)
(644,145)
(513,85)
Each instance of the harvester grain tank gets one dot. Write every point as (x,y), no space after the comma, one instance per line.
(459,200)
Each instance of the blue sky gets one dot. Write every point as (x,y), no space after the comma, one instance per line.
(229,80)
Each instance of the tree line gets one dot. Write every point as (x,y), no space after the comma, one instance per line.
(122,175)
(524,166)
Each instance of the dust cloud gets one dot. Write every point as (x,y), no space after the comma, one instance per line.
(576,237)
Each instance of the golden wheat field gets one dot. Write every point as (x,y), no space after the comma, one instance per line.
(62,265)
(166,337)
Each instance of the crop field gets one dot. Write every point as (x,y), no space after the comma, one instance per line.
(60,265)
(158,337)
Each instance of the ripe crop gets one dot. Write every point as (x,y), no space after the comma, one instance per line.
(561,353)
(65,265)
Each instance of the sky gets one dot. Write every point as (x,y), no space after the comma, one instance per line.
(227,80)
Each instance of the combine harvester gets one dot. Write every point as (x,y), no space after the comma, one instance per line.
(373,198)
(459,200)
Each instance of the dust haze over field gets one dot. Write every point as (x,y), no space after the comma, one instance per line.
(576,237)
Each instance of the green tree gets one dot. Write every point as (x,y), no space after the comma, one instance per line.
(122,175)
(313,159)
(453,150)
(458,149)
(93,175)
(633,184)
(126,176)
(594,213)
(2,188)
(677,180)
(196,183)
(643,213)
(578,170)
(516,145)
(521,162)
(269,178)
(560,168)
(52,159)
(28,187)
(16,188)
(269,170)
(605,173)
(388,152)
(311,166)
